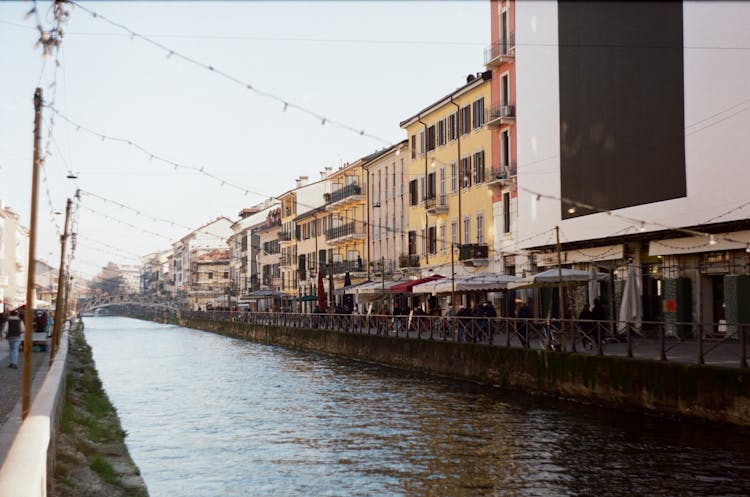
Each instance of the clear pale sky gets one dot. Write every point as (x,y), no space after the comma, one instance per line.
(367,64)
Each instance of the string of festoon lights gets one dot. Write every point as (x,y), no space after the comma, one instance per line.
(223,182)
(125,223)
(152,156)
(286,103)
(573,205)
(108,252)
(111,247)
(139,212)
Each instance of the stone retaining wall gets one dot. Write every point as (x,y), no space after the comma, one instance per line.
(704,392)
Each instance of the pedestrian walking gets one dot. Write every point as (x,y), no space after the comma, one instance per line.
(524,315)
(586,326)
(599,314)
(491,313)
(13,329)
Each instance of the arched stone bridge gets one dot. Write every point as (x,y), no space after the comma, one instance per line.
(148,301)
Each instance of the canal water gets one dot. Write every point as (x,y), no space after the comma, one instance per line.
(210,416)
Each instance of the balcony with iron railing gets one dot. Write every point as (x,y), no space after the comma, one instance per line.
(285,236)
(500,52)
(343,267)
(351,192)
(500,115)
(348,231)
(381,266)
(474,254)
(436,204)
(287,261)
(407,261)
(503,175)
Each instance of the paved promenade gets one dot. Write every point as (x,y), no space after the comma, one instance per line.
(10,393)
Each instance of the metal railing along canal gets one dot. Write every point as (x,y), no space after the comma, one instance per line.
(722,344)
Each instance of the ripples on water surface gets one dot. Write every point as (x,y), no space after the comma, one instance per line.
(213,416)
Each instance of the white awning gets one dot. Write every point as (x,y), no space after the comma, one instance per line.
(376,287)
(483,282)
(593,254)
(551,277)
(697,244)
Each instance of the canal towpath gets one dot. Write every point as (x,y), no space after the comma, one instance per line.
(10,393)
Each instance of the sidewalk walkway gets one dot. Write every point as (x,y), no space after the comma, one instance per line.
(10,393)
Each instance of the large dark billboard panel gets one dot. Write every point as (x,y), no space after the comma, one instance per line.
(622,138)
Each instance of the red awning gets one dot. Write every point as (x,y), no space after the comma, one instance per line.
(406,286)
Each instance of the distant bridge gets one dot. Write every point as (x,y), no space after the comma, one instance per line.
(148,301)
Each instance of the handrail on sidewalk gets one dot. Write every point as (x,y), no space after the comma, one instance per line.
(610,338)
(29,461)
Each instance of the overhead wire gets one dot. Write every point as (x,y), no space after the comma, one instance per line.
(632,220)
(287,104)
(324,120)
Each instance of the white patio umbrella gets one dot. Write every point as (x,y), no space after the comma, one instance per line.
(551,278)
(483,282)
(631,308)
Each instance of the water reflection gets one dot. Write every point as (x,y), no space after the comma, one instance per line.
(209,416)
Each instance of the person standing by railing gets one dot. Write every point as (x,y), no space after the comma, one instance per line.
(586,326)
(599,315)
(524,315)
(491,314)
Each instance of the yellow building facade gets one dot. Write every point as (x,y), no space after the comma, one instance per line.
(450,213)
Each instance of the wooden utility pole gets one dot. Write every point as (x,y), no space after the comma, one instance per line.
(29,314)
(61,284)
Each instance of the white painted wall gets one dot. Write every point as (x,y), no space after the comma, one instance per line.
(717,157)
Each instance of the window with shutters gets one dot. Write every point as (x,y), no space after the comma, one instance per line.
(452,129)
(431,138)
(506,212)
(412,242)
(442,184)
(413,199)
(465,172)
(431,186)
(478,111)
(465,120)
(479,167)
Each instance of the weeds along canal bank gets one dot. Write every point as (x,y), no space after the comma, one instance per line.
(91,457)
(702,393)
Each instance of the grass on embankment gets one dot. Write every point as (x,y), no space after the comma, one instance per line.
(91,456)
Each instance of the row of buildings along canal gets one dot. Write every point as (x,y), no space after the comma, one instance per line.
(544,157)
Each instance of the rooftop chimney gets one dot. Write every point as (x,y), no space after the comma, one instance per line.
(326,172)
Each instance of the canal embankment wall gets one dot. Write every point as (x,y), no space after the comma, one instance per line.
(90,453)
(709,393)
